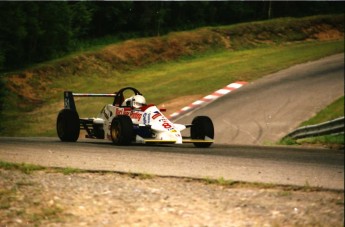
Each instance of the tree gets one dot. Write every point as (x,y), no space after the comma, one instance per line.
(81,18)
(110,18)
(12,32)
(33,31)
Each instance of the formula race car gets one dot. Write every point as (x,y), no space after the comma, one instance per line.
(130,120)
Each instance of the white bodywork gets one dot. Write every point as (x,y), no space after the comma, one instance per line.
(163,129)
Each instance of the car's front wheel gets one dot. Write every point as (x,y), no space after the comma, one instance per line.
(202,128)
(67,125)
(121,130)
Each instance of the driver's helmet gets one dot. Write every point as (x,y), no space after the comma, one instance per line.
(138,101)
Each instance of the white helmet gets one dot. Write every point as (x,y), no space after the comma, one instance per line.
(138,101)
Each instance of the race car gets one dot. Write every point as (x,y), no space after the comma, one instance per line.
(128,121)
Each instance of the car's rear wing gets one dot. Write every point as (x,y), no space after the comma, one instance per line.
(69,98)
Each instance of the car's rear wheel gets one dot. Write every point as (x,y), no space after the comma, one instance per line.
(121,130)
(67,125)
(202,128)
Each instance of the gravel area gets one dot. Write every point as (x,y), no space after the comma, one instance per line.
(51,198)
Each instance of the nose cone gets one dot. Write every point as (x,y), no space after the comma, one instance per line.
(172,135)
(178,136)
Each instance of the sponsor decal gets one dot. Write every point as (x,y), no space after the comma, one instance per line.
(121,111)
(156,114)
(166,125)
(163,120)
(136,115)
(146,118)
(133,115)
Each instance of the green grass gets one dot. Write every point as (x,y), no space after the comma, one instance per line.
(331,112)
(195,62)
(68,170)
(29,168)
(329,141)
(326,140)
(23,167)
(161,82)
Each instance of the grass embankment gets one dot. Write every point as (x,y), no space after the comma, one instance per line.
(192,63)
(333,111)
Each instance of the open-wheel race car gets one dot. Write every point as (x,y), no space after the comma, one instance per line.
(128,121)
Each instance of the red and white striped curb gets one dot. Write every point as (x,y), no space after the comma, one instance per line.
(209,98)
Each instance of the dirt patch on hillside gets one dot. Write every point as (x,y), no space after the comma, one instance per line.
(331,34)
(29,87)
(140,52)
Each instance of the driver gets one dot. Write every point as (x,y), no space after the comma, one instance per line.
(135,101)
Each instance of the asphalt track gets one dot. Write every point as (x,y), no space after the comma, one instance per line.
(278,165)
(268,109)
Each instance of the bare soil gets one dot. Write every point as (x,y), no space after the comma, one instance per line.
(51,198)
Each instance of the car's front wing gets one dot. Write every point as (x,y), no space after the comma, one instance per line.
(155,141)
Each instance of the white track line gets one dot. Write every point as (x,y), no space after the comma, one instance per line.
(209,98)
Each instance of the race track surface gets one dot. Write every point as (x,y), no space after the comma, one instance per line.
(265,110)
(279,165)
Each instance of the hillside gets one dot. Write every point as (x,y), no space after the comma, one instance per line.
(32,90)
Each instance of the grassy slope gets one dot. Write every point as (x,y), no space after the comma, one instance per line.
(187,63)
(332,111)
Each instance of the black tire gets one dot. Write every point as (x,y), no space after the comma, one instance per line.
(67,125)
(121,130)
(98,131)
(202,127)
